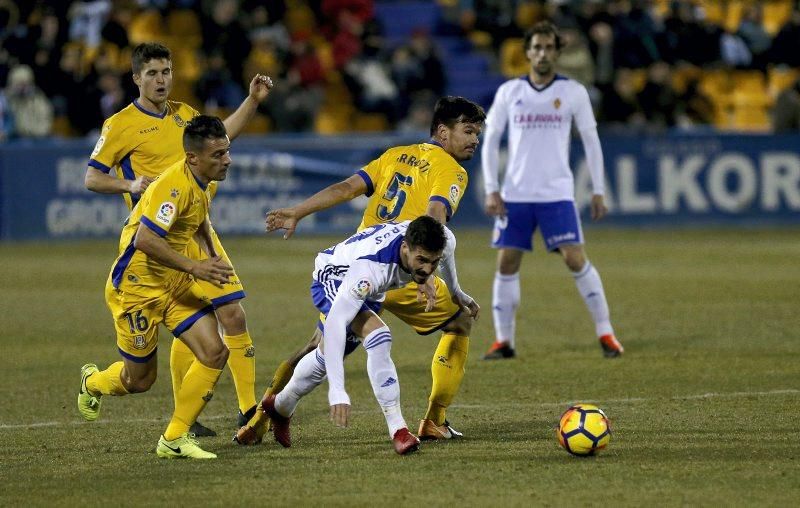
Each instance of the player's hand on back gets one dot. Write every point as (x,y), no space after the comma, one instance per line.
(139,185)
(468,304)
(494,206)
(340,414)
(427,292)
(260,86)
(599,208)
(282,218)
(213,270)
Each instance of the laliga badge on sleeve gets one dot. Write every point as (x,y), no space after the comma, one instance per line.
(166,212)
(361,289)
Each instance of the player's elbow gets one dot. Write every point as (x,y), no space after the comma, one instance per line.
(90,180)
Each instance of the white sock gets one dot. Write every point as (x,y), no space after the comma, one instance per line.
(383,377)
(591,289)
(309,373)
(505,300)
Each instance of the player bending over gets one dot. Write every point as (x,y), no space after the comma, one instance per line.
(349,283)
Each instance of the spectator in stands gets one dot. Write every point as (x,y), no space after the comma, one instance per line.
(223,32)
(298,97)
(751,31)
(636,34)
(495,17)
(575,60)
(112,96)
(420,114)
(786,116)
(658,99)
(688,37)
(87,19)
(620,105)
(694,107)
(115,30)
(784,49)
(417,69)
(734,50)
(216,88)
(31,110)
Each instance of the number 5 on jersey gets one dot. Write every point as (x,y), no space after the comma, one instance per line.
(394,192)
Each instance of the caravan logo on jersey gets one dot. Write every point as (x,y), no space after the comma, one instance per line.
(361,289)
(165,213)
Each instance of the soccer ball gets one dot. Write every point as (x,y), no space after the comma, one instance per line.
(583,430)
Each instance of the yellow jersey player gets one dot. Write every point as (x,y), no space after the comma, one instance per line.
(153,281)
(402,184)
(134,147)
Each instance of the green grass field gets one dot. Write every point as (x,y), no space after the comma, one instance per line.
(705,405)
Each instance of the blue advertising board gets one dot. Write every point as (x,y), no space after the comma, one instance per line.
(671,180)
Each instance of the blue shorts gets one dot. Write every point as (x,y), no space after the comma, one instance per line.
(558,221)
(322,295)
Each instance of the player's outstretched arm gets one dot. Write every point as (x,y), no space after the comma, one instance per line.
(213,270)
(260,86)
(103,183)
(287,218)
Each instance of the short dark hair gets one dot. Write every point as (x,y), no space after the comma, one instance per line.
(543,28)
(426,232)
(450,110)
(201,128)
(147,51)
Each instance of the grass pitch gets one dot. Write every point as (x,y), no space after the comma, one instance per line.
(704,406)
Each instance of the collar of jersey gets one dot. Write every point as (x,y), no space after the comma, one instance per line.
(434,142)
(149,113)
(199,182)
(557,77)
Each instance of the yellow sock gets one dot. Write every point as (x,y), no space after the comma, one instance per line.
(282,376)
(180,359)
(447,370)
(242,362)
(107,382)
(196,391)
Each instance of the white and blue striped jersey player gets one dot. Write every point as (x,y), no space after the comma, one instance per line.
(349,282)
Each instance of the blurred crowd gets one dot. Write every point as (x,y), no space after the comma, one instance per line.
(649,64)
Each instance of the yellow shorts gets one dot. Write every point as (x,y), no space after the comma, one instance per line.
(403,303)
(136,316)
(230,291)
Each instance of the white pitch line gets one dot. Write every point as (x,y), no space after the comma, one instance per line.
(788,391)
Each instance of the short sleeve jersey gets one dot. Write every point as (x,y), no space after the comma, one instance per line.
(173,207)
(136,142)
(402,181)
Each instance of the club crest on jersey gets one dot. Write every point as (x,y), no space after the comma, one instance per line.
(557,103)
(174,193)
(455,193)
(165,213)
(178,120)
(99,145)
(361,289)
(139,342)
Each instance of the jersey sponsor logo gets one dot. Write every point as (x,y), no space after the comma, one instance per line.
(460,177)
(178,120)
(538,120)
(174,193)
(149,129)
(100,142)
(557,103)
(139,342)
(455,193)
(165,213)
(361,289)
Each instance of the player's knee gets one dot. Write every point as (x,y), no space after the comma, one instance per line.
(219,357)
(575,262)
(232,318)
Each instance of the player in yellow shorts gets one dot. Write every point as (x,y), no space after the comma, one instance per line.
(153,281)
(402,184)
(135,146)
